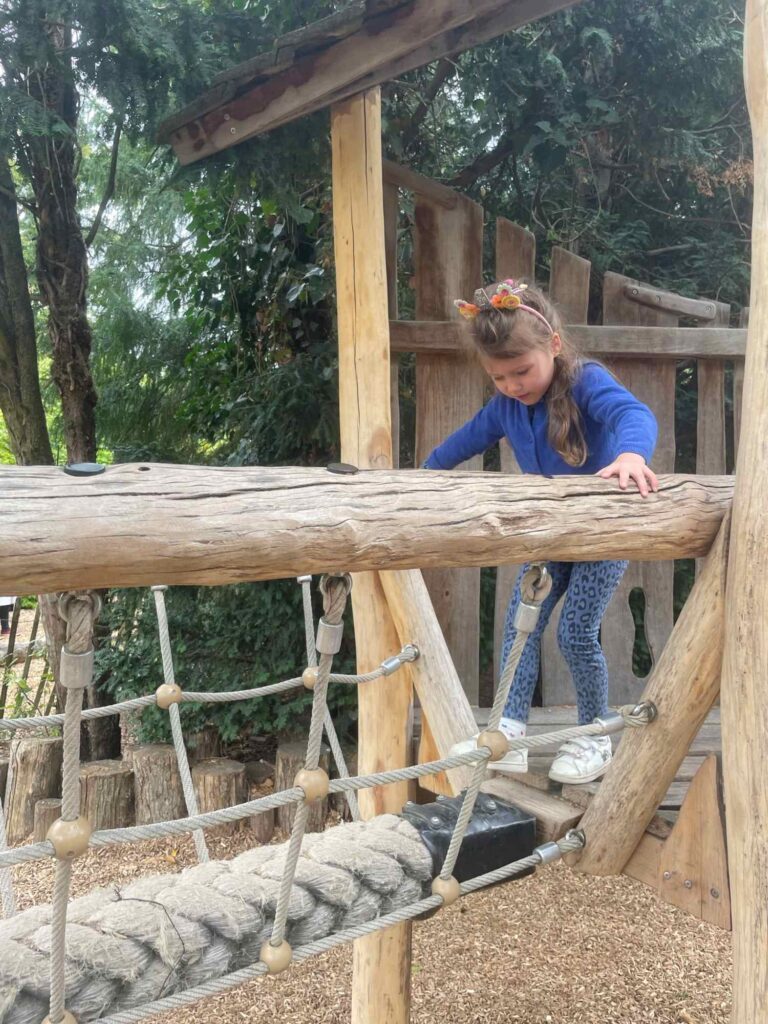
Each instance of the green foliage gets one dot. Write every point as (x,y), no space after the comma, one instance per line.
(223,638)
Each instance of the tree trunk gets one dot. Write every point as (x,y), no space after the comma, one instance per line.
(62,265)
(20,397)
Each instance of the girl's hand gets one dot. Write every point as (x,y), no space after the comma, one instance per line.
(629,466)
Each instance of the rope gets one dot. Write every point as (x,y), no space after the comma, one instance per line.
(80,609)
(181,826)
(6,879)
(335,594)
(186,936)
(190,797)
(330,729)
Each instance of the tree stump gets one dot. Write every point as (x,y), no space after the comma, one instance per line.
(289,761)
(262,825)
(107,797)
(157,784)
(36,774)
(46,812)
(3,777)
(219,782)
(204,744)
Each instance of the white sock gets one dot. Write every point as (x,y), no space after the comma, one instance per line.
(511,728)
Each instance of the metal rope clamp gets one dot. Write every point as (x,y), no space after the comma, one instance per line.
(535,587)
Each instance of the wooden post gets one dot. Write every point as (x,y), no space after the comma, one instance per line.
(569,277)
(627,302)
(448,253)
(744,698)
(381,984)
(515,257)
(684,685)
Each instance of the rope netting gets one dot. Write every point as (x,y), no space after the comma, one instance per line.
(286,875)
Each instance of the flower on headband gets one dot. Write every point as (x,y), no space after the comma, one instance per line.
(506,300)
(467,309)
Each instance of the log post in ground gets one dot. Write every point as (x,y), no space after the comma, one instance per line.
(683,686)
(381,983)
(36,774)
(219,782)
(158,792)
(290,759)
(46,812)
(744,700)
(107,796)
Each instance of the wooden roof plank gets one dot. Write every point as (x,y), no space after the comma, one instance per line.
(386,46)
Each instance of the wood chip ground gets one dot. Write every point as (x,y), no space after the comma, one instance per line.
(555,948)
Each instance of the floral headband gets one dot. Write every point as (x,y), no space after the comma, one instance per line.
(506,296)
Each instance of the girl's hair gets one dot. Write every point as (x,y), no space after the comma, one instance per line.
(508,333)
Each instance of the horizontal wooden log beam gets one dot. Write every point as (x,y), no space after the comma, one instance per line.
(139,524)
(432,336)
(385,47)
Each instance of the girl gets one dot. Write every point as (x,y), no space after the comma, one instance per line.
(561,415)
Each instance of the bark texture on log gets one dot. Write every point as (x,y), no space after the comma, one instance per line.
(107,797)
(219,782)
(36,774)
(46,812)
(200,525)
(290,760)
(158,792)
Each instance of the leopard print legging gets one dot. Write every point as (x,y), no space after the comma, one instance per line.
(588,587)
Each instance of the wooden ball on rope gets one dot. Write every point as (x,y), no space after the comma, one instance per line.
(69,839)
(309,676)
(276,958)
(167,694)
(314,782)
(447,888)
(495,741)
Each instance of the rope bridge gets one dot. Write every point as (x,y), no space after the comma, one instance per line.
(163,942)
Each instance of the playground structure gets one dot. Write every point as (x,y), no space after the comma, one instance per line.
(210,526)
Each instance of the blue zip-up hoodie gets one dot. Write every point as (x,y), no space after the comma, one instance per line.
(614,422)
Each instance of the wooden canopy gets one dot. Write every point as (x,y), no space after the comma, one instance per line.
(371,42)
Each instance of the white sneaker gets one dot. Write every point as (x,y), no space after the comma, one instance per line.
(516,761)
(582,759)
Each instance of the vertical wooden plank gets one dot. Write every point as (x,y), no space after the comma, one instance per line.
(515,257)
(569,276)
(738,390)
(381,984)
(448,249)
(710,411)
(744,695)
(391,217)
(710,414)
(654,384)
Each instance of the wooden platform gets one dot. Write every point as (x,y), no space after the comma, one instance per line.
(551,719)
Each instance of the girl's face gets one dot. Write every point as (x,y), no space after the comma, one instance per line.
(525,378)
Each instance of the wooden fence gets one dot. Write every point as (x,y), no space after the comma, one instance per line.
(641,339)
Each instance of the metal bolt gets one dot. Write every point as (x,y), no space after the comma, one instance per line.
(434,820)
(227,117)
(715,894)
(667,875)
(491,805)
(233,131)
(688,883)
